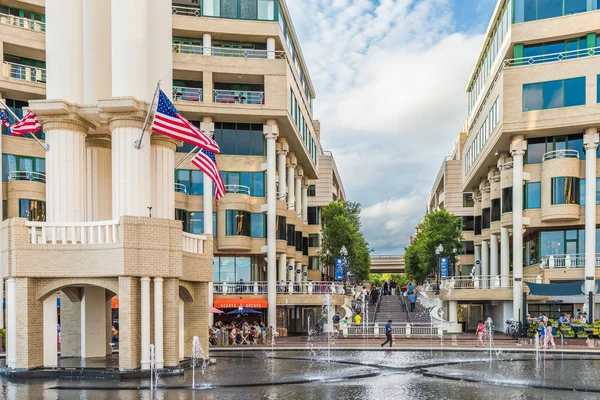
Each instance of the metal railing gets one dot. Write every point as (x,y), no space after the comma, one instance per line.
(327,153)
(193,243)
(237,97)
(408,330)
(477,282)
(237,189)
(181,93)
(27,176)
(260,287)
(566,261)
(21,22)
(197,49)
(181,188)
(189,11)
(551,155)
(24,72)
(553,57)
(73,232)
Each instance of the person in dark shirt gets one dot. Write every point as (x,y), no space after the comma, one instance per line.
(388,334)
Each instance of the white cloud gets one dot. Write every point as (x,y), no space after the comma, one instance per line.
(390,78)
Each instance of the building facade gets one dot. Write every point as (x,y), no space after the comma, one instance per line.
(97,218)
(530,159)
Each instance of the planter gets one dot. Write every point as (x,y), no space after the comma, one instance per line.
(588,329)
(567,329)
(577,325)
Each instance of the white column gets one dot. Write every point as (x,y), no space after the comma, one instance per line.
(50,317)
(11,307)
(290,187)
(207,44)
(282,267)
(162,183)
(208,127)
(504,257)
(271,133)
(518,148)
(2,298)
(299,197)
(158,323)
(131,192)
(282,189)
(292,273)
(590,140)
(181,305)
(305,270)
(296,274)
(305,203)
(159,43)
(98,180)
(453,311)
(65,171)
(93,322)
(96,51)
(145,322)
(270,48)
(485,263)
(477,257)
(211,301)
(64,50)
(494,267)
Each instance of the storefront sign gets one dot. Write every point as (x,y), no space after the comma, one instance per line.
(234,302)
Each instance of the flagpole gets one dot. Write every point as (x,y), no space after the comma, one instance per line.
(186,157)
(138,143)
(45,146)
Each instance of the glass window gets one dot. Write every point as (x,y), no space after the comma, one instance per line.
(243,139)
(228,139)
(485,218)
(549,8)
(495,210)
(582,192)
(314,217)
(33,210)
(291,235)
(298,241)
(532,195)
(531,250)
(530,8)
(313,240)
(196,222)
(536,148)
(598,83)
(507,200)
(196,183)
(553,94)
(468,247)
(533,50)
(281,228)
(257,141)
(575,142)
(532,96)
(468,223)
(237,223)
(565,190)
(574,92)
(312,191)
(249,9)
(227,269)
(259,223)
(258,187)
(552,243)
(478,225)
(468,200)
(575,6)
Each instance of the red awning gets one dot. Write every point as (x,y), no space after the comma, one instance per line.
(235,302)
(114,302)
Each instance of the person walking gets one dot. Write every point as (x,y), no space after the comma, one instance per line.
(385,289)
(336,324)
(374,295)
(410,288)
(357,319)
(479,332)
(548,336)
(388,334)
(393,286)
(413,299)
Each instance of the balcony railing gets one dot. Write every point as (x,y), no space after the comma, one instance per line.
(553,57)
(476,282)
(566,261)
(227,52)
(260,287)
(236,97)
(181,188)
(551,155)
(193,243)
(237,189)
(22,22)
(73,232)
(27,176)
(189,11)
(24,72)
(376,329)
(181,93)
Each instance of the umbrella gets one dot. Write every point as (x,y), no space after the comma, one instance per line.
(243,311)
(214,310)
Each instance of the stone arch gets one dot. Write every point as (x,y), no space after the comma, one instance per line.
(112,285)
(186,292)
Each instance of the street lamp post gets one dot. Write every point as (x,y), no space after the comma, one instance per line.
(439,251)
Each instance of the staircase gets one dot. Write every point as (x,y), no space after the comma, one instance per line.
(391,307)
(421,315)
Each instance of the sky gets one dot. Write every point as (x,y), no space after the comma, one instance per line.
(390,78)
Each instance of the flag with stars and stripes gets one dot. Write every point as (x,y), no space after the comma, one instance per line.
(28,124)
(4,119)
(169,122)
(206,162)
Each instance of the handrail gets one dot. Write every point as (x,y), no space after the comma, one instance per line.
(565,153)
(22,22)
(566,261)
(181,188)
(327,153)
(552,57)
(73,232)
(197,49)
(239,97)
(27,176)
(193,243)
(288,287)
(377,304)
(24,72)
(189,11)
(405,308)
(237,189)
(181,93)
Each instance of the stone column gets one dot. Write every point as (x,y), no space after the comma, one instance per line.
(477,256)
(159,43)
(99,178)
(271,132)
(453,311)
(11,325)
(291,198)
(96,51)
(281,167)
(282,267)
(305,201)
(494,283)
(305,271)
(129,323)
(207,44)
(298,275)
(26,344)
(485,263)
(517,149)
(270,48)
(504,257)
(158,323)
(171,321)
(93,322)
(590,140)
(50,332)
(292,273)
(145,322)
(299,193)
(208,127)
(162,182)
(211,301)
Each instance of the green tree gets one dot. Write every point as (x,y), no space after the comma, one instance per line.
(378,279)
(342,227)
(439,227)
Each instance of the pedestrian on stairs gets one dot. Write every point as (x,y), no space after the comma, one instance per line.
(393,286)
(388,333)
(413,299)
(385,289)
(374,295)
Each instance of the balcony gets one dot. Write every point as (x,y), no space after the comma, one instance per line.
(227,52)
(181,93)
(24,72)
(260,288)
(566,261)
(189,11)
(27,176)
(20,22)
(239,97)
(237,189)
(193,243)
(553,57)
(180,188)
(558,154)
(73,233)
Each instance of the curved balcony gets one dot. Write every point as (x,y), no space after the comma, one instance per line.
(181,93)
(237,189)
(73,232)
(180,188)
(559,154)
(236,97)
(566,261)
(27,176)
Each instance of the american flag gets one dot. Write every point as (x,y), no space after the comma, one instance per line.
(4,119)
(169,122)
(28,124)
(206,161)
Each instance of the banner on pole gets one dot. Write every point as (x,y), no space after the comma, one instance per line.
(444,267)
(339,269)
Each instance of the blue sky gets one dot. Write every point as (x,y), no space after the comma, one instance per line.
(390,78)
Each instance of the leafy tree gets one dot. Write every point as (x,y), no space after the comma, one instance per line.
(342,227)
(378,279)
(439,227)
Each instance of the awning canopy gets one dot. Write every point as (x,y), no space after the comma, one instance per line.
(557,289)
(235,302)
